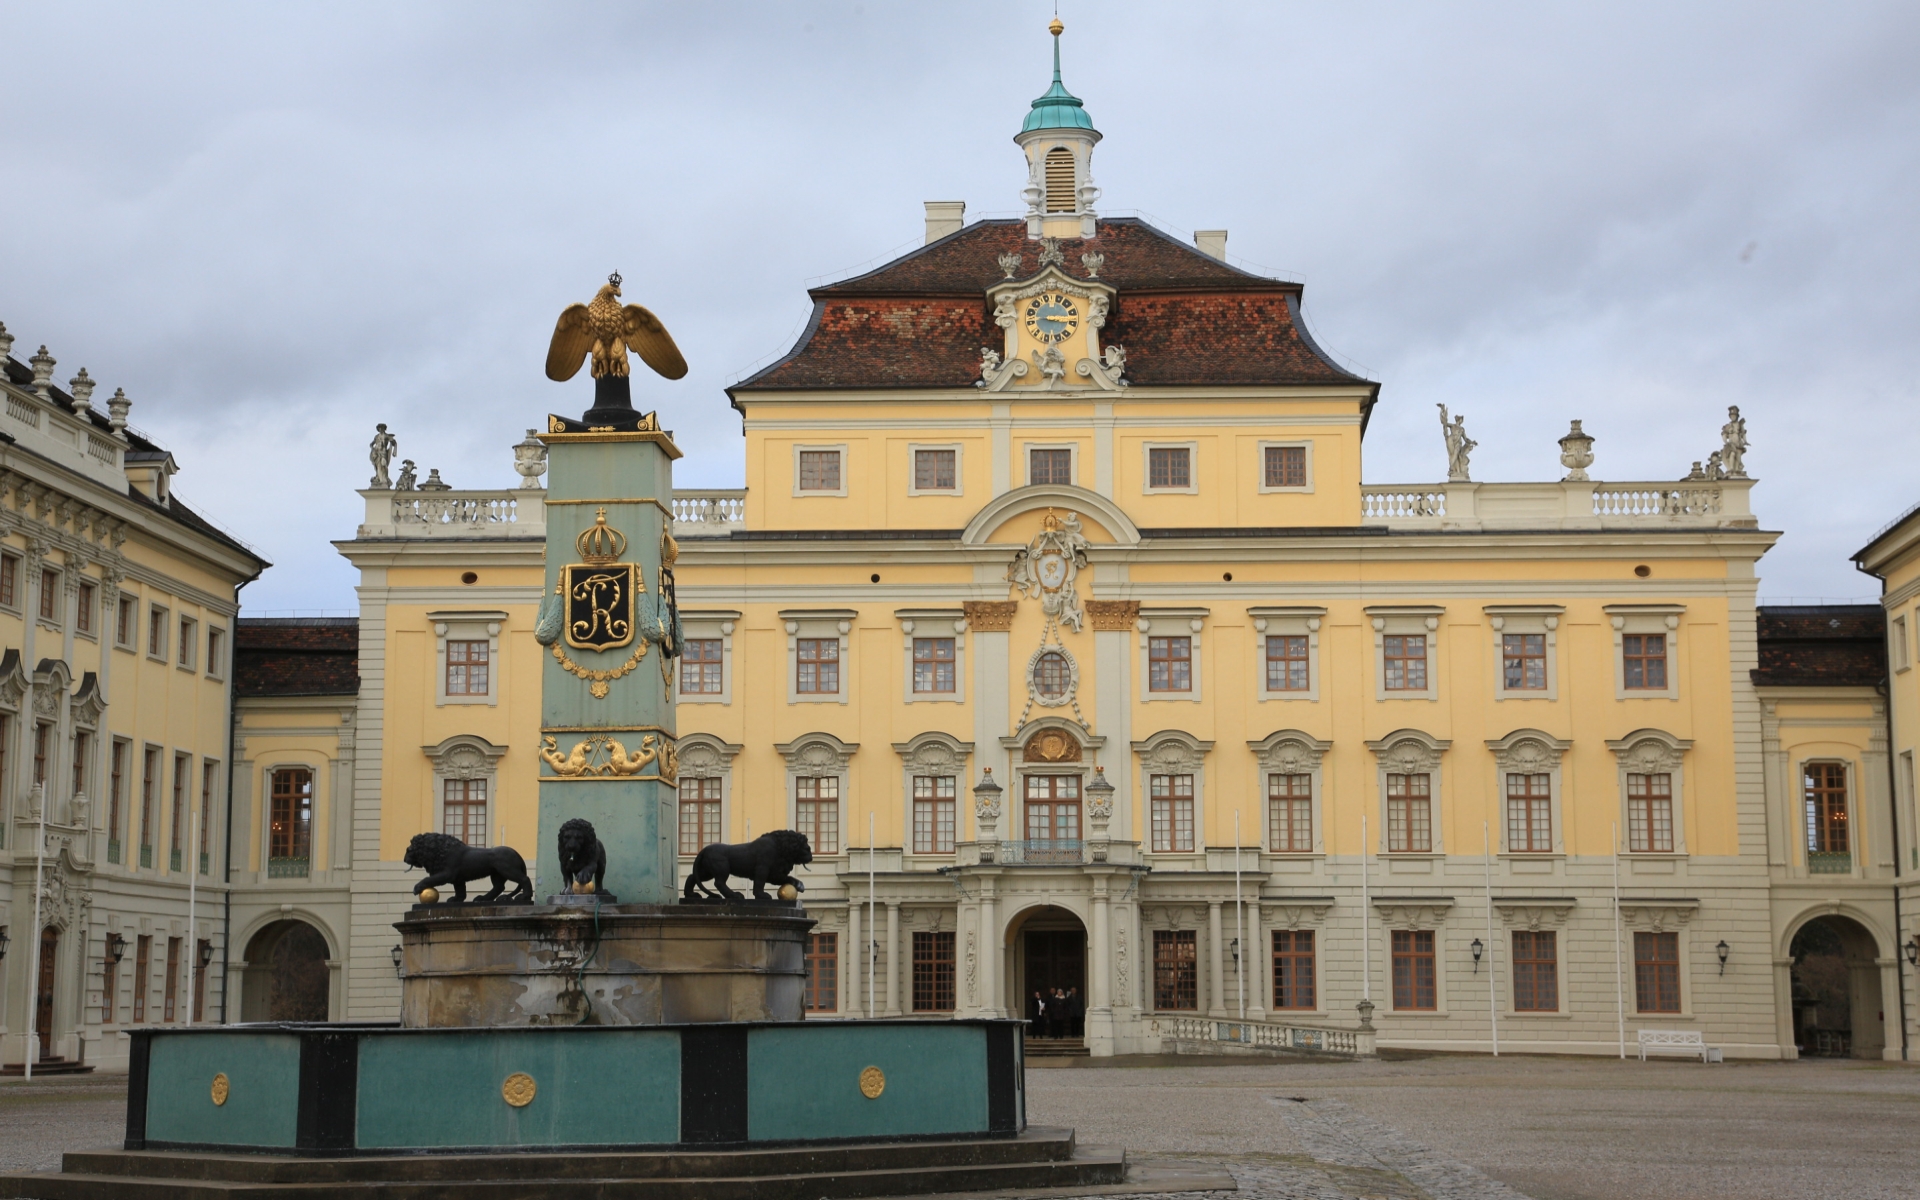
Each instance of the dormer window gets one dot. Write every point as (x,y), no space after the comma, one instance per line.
(1060,197)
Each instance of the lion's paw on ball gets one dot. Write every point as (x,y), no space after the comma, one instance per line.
(787,892)
(429,895)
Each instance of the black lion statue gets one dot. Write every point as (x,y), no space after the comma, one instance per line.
(583,859)
(446,859)
(769,858)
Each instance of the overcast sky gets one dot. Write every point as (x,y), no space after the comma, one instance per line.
(275,225)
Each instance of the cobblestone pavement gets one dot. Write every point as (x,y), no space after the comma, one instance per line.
(1456,1127)
(1438,1128)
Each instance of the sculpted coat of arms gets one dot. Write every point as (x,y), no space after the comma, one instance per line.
(1046,568)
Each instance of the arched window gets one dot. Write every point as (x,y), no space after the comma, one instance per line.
(1060,197)
(1829,849)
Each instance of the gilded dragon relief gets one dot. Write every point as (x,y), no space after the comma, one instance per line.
(603,756)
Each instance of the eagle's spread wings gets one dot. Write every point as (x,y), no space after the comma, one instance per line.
(572,342)
(648,337)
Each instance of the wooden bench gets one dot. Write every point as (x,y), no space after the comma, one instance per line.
(1677,1041)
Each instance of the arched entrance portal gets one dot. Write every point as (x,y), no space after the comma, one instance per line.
(287,977)
(1837,1010)
(1050,956)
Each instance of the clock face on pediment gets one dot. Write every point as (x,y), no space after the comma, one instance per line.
(1052,317)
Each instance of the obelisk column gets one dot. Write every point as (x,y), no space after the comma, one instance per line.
(606,710)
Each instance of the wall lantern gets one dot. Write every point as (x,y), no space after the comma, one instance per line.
(116,948)
(1478,949)
(397,956)
(1912,948)
(1722,950)
(1234,947)
(206,953)
(4,939)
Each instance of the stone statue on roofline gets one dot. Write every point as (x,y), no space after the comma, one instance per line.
(1459,446)
(1733,444)
(380,453)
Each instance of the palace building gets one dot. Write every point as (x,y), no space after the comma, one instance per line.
(1057,614)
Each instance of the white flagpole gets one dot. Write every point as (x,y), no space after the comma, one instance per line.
(1366,922)
(1619,975)
(1493,989)
(192,859)
(873,934)
(1239,918)
(33,962)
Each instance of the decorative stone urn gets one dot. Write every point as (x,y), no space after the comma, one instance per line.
(986,815)
(530,459)
(1576,454)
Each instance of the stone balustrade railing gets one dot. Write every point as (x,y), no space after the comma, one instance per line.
(522,513)
(1267,1035)
(1692,504)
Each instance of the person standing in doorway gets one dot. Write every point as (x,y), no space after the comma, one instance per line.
(1076,1025)
(1037,1017)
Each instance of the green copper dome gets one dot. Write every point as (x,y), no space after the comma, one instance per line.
(1059,108)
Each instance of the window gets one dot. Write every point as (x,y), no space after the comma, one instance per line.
(1290,814)
(1050,466)
(116,793)
(933,971)
(1650,813)
(1052,676)
(203,951)
(1413,972)
(290,830)
(817,668)
(1644,659)
(701,667)
(83,611)
(820,471)
(157,632)
(1897,630)
(1410,814)
(10,580)
(123,617)
(1825,800)
(933,470)
(932,664)
(1169,664)
(1284,467)
(823,972)
(149,785)
(1524,662)
(699,814)
(216,652)
(1176,970)
(1529,814)
(1536,980)
(933,813)
(208,769)
(50,595)
(1169,467)
(817,811)
(1053,813)
(466,810)
(182,765)
(142,963)
(1287,664)
(1406,661)
(1171,797)
(1293,968)
(82,744)
(189,642)
(1656,972)
(1060,194)
(467,668)
(171,985)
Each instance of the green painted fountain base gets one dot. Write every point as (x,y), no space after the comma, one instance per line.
(374,1089)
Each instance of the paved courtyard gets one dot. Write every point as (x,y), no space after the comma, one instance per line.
(1435,1128)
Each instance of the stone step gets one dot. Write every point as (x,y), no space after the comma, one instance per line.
(1057,1048)
(484,1180)
(47,1066)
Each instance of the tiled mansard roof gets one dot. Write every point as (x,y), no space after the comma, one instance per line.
(296,656)
(1185,317)
(1822,645)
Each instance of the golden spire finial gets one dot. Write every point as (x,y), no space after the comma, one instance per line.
(1055,28)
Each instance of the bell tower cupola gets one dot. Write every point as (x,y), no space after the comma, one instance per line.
(1058,137)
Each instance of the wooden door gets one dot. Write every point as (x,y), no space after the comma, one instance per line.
(43,1015)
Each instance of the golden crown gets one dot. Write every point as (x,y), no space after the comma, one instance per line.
(600,542)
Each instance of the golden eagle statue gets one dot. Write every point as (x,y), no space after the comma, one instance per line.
(605,329)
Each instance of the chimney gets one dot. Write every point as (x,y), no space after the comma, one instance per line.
(945,217)
(1211,242)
